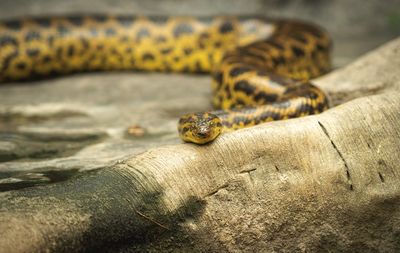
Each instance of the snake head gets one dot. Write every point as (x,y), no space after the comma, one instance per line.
(199,128)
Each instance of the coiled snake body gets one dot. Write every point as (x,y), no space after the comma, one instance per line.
(260,67)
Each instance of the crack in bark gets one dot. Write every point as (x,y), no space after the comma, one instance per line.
(247,171)
(325,131)
(382,163)
(216,190)
(381,177)
(151,220)
(250,176)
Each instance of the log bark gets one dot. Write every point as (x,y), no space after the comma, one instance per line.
(322,183)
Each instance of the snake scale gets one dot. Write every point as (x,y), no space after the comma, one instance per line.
(260,67)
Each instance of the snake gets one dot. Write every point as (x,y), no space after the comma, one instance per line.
(260,67)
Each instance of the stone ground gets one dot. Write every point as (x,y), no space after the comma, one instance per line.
(50,130)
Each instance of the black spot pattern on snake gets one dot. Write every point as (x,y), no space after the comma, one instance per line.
(32,52)
(46,59)
(198,67)
(320,47)
(166,50)
(275,45)
(279,61)
(100,18)
(110,32)
(21,65)
(148,56)
(300,38)
(71,50)
(62,30)
(298,51)
(226,27)
(187,51)
(6,39)
(13,24)
(182,29)
(76,20)
(143,33)
(217,76)
(237,71)
(263,96)
(32,35)
(43,22)
(245,87)
(125,21)
(93,31)
(228,92)
(7,60)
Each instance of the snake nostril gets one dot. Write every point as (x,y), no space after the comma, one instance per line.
(202,134)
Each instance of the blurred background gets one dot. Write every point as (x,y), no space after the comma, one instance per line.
(357,26)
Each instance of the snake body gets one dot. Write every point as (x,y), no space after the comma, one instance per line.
(260,67)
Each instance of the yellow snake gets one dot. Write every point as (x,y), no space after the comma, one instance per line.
(260,67)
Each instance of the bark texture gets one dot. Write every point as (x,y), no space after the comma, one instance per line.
(325,183)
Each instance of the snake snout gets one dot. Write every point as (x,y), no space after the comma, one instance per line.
(203,132)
